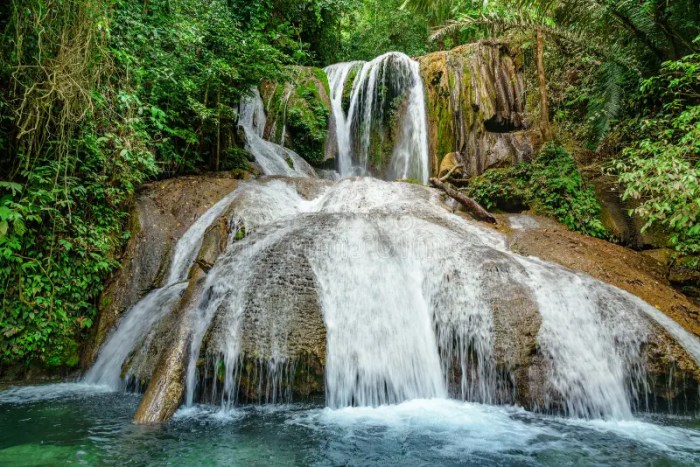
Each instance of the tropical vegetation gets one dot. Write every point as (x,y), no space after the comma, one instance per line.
(99,96)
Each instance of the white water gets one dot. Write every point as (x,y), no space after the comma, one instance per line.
(416,301)
(407,294)
(389,76)
(593,335)
(139,319)
(337,76)
(272,158)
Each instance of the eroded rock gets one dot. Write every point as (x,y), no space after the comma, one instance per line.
(476,107)
(162,212)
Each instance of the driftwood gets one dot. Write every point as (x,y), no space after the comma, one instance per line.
(472,207)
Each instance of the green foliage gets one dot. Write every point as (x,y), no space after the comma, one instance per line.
(662,169)
(297,105)
(96,98)
(307,121)
(550,185)
(374,27)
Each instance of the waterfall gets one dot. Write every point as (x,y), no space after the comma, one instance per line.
(409,295)
(386,104)
(375,293)
(140,319)
(274,159)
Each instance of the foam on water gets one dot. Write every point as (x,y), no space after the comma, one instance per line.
(460,428)
(46,392)
(406,291)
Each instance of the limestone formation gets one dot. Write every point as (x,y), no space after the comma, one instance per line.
(476,107)
(162,212)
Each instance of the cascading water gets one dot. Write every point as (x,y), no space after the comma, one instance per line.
(272,158)
(140,319)
(379,289)
(386,105)
(414,301)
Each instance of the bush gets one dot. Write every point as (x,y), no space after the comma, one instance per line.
(550,185)
(662,170)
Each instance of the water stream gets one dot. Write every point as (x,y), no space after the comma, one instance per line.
(386,88)
(274,159)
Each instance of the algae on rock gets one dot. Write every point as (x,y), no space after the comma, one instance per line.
(476,107)
(298,113)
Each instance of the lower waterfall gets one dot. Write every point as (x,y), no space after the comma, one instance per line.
(398,299)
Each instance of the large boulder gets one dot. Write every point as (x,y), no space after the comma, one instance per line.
(162,212)
(476,106)
(673,374)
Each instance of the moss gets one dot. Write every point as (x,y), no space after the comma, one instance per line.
(347,87)
(412,181)
(321,77)
(302,106)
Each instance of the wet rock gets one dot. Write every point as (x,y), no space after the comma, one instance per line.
(167,385)
(162,212)
(672,370)
(282,332)
(476,107)
(516,323)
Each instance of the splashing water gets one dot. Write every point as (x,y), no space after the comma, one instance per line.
(386,87)
(409,295)
(394,297)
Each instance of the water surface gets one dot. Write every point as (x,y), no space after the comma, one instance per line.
(82,424)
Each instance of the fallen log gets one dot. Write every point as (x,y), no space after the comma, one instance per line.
(473,208)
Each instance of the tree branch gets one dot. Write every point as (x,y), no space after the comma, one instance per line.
(473,208)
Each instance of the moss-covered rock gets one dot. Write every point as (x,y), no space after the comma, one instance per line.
(299,113)
(476,106)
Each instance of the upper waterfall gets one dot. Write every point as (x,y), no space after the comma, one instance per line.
(383,131)
(274,159)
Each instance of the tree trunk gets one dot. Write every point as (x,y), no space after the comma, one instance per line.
(544,105)
(218,131)
(475,210)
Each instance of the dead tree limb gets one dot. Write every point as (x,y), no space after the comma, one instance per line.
(448,174)
(473,208)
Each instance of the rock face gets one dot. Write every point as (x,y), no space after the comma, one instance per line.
(167,385)
(476,107)
(162,212)
(299,114)
(674,376)
(264,299)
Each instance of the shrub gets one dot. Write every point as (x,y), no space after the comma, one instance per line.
(551,185)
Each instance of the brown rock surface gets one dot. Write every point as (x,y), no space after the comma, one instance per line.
(162,212)
(167,385)
(475,98)
(638,274)
(634,272)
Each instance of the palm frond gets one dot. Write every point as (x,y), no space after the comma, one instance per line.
(496,24)
(606,107)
